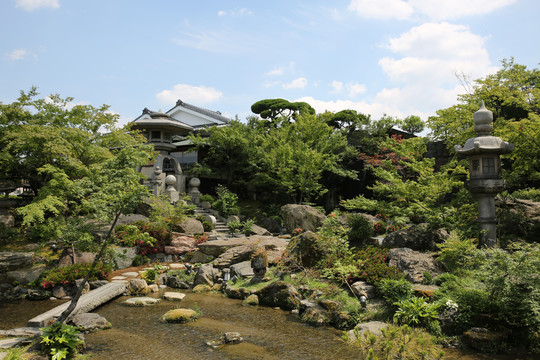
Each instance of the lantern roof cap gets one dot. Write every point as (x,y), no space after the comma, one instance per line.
(484,145)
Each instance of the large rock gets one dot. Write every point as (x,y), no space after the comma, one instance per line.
(362,288)
(218,247)
(279,293)
(258,230)
(130,219)
(68,258)
(206,275)
(416,237)
(88,322)
(233,256)
(273,224)
(306,249)
(137,286)
(141,301)
(14,260)
(190,226)
(124,256)
(414,264)
(301,216)
(25,276)
(242,269)
(200,257)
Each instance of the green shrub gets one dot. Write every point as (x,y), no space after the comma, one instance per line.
(393,290)
(159,237)
(149,275)
(400,342)
(513,285)
(226,201)
(234,226)
(416,311)
(456,253)
(360,229)
(67,275)
(207,197)
(60,341)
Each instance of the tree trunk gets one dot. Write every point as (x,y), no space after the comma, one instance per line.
(73,304)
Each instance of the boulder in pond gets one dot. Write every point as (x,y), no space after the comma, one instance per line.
(207,275)
(141,301)
(232,337)
(279,293)
(89,322)
(251,300)
(180,316)
(174,296)
(137,286)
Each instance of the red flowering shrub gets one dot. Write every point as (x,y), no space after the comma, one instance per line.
(372,266)
(67,275)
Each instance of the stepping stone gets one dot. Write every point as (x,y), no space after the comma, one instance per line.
(141,301)
(130,274)
(174,296)
(177,266)
(119,278)
(11,342)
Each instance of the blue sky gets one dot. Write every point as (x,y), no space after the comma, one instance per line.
(397,57)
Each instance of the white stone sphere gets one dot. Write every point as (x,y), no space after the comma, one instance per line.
(170,180)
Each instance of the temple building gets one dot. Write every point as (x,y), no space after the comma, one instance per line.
(168,133)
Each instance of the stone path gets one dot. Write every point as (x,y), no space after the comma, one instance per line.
(87,303)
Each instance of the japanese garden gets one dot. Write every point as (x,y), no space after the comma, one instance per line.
(288,234)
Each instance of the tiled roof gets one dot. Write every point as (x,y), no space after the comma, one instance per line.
(213,114)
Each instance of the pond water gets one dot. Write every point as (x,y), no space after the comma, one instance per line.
(138,333)
(268,333)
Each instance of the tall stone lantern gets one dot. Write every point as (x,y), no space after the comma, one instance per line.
(483,152)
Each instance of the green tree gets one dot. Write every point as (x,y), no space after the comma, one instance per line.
(48,131)
(77,172)
(513,94)
(229,152)
(409,189)
(297,155)
(277,110)
(412,124)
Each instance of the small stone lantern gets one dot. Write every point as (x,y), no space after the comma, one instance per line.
(485,181)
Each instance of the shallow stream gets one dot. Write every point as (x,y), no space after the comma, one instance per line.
(268,333)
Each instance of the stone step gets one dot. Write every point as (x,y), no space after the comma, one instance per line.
(86,303)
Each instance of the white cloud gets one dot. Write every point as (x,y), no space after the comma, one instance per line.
(434,52)
(352,89)
(235,12)
(382,9)
(299,83)
(433,9)
(189,93)
(355,89)
(444,9)
(276,72)
(337,86)
(30,5)
(21,54)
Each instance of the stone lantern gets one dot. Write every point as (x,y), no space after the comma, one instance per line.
(485,181)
